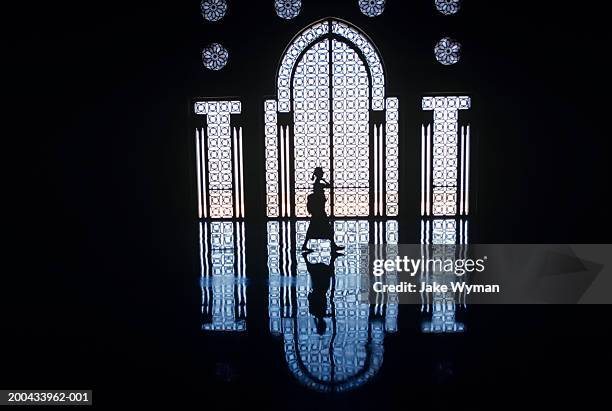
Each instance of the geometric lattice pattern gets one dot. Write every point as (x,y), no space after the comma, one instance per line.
(329,85)
(275,288)
(442,245)
(372,8)
(289,59)
(349,352)
(448,7)
(311,119)
(350,132)
(223,277)
(214,56)
(272,152)
(444,153)
(213,10)
(218,157)
(447,51)
(371,57)
(392,156)
(287,9)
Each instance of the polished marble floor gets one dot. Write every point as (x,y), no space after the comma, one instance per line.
(225,314)
(301,317)
(329,340)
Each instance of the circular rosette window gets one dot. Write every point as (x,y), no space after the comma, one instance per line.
(447,51)
(448,7)
(372,8)
(214,56)
(213,10)
(287,9)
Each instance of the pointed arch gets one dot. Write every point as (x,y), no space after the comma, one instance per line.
(344,31)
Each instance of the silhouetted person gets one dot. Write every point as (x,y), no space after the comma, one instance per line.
(320,275)
(320,227)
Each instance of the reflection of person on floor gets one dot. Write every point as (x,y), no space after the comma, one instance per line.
(320,281)
(320,227)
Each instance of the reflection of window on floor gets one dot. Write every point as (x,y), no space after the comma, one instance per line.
(350,350)
(445,158)
(219,161)
(330,109)
(442,239)
(223,279)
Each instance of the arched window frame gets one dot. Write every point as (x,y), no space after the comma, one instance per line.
(383,124)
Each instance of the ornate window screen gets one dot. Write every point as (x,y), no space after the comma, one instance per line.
(311,119)
(448,7)
(445,158)
(330,83)
(290,57)
(219,161)
(272,156)
(392,156)
(351,153)
(372,58)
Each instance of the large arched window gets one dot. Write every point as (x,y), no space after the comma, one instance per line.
(331,112)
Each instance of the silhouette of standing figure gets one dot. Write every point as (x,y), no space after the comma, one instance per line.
(320,227)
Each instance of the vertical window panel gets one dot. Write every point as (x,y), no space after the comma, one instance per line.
(219,141)
(392,157)
(351,154)
(445,150)
(311,119)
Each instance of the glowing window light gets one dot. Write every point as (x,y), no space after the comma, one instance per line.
(214,56)
(351,154)
(213,10)
(392,157)
(311,119)
(349,353)
(447,51)
(287,9)
(223,279)
(372,8)
(372,59)
(444,157)
(329,85)
(448,7)
(272,153)
(440,239)
(289,60)
(220,172)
